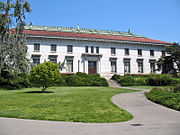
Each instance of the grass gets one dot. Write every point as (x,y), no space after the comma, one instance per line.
(148,87)
(74,104)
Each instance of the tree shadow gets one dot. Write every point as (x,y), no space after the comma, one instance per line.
(30,92)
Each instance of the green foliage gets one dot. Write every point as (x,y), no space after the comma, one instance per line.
(83,79)
(82,104)
(159,80)
(168,99)
(45,75)
(150,80)
(171,63)
(13,49)
(177,88)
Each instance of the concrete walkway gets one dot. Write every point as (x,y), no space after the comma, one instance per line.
(149,119)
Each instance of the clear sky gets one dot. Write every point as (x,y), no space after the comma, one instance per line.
(156,19)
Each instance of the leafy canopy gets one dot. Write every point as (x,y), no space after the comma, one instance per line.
(45,75)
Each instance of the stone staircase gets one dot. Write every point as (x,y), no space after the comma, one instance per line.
(113,84)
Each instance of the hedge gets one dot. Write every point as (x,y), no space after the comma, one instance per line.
(168,99)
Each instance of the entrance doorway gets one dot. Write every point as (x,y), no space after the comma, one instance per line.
(92,67)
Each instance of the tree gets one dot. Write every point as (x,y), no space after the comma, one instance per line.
(13,47)
(45,75)
(170,63)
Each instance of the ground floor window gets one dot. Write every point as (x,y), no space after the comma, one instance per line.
(69,65)
(127,67)
(36,61)
(113,66)
(54,60)
(140,66)
(152,67)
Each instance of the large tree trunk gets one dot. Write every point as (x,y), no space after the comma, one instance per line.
(44,89)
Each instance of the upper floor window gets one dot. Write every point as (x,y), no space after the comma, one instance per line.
(113,50)
(53,47)
(139,52)
(37,47)
(97,49)
(92,49)
(151,52)
(86,49)
(69,48)
(126,51)
(163,53)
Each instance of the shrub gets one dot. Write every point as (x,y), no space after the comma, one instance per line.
(140,81)
(126,80)
(115,77)
(159,80)
(83,75)
(45,75)
(60,81)
(168,99)
(177,88)
(73,80)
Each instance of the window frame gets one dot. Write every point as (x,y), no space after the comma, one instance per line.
(67,63)
(113,51)
(86,49)
(36,47)
(97,50)
(69,48)
(126,51)
(139,52)
(151,53)
(92,49)
(115,70)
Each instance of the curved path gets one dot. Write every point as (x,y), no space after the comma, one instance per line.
(149,119)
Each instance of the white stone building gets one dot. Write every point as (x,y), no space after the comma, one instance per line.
(94,51)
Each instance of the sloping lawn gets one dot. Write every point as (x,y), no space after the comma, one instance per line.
(75,104)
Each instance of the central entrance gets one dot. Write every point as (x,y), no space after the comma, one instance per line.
(92,67)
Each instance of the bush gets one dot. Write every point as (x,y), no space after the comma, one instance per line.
(20,81)
(73,80)
(126,80)
(140,81)
(45,75)
(60,81)
(168,99)
(159,80)
(177,88)
(115,77)
(83,75)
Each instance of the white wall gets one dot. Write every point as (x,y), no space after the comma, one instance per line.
(104,49)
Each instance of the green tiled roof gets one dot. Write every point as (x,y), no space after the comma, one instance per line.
(82,30)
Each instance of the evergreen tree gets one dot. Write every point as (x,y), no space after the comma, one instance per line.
(13,47)
(170,63)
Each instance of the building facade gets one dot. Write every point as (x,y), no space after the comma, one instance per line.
(94,51)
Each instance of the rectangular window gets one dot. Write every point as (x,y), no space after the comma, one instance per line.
(97,49)
(139,52)
(86,49)
(163,53)
(126,51)
(140,66)
(70,65)
(54,60)
(69,48)
(36,61)
(126,67)
(36,47)
(113,50)
(151,52)
(152,67)
(92,49)
(53,47)
(113,66)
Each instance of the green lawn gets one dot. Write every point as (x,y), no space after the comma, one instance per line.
(148,87)
(76,104)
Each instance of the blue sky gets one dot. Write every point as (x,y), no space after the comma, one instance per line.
(157,19)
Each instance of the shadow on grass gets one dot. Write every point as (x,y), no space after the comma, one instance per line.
(38,92)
